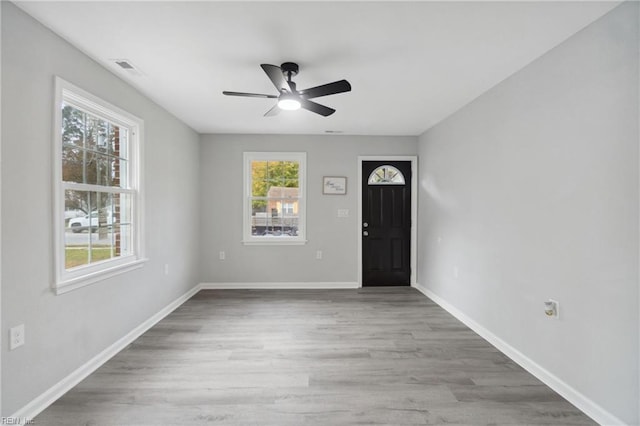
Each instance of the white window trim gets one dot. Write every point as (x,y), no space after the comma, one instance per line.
(65,280)
(247,238)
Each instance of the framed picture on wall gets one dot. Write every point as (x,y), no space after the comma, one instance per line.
(334,185)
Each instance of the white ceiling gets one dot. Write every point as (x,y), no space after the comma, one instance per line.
(411,64)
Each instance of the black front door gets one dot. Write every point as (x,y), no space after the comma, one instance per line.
(386,223)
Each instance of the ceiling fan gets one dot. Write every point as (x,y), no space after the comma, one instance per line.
(289,98)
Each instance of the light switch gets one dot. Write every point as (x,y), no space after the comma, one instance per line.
(343,212)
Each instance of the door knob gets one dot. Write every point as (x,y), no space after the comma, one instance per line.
(364,225)
(365,233)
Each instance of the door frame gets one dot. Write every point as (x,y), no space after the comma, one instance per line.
(414,210)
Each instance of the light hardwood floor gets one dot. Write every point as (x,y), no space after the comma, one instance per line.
(310,357)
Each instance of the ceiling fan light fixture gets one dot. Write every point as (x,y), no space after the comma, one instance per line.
(288,102)
(289,98)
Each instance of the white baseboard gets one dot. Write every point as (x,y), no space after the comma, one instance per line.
(37,405)
(276,286)
(590,408)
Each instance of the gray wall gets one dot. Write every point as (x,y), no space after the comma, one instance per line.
(532,190)
(63,332)
(221,216)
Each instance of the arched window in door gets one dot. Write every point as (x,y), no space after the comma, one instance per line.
(386,175)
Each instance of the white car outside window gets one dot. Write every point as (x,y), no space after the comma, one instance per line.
(79,224)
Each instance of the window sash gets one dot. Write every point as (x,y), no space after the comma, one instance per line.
(90,146)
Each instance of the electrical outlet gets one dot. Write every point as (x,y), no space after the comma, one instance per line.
(319,254)
(343,212)
(222,255)
(16,337)
(552,308)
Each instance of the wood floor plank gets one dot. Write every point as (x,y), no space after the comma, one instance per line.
(310,357)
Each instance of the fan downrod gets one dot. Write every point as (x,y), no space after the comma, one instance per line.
(290,69)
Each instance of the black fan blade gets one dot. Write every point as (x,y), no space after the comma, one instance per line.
(273,111)
(277,78)
(249,95)
(317,108)
(326,89)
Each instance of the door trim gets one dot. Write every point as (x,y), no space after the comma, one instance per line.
(414,210)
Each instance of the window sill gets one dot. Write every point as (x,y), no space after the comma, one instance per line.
(68,285)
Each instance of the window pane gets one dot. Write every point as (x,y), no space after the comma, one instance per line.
(120,176)
(94,151)
(104,170)
(75,254)
(91,129)
(104,132)
(77,205)
(386,175)
(292,183)
(72,164)
(77,243)
(274,217)
(259,219)
(274,189)
(72,126)
(275,171)
(90,167)
(269,177)
(259,178)
(122,209)
(100,252)
(288,215)
(98,227)
(113,168)
(123,244)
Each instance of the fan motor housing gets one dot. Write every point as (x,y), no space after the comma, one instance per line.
(290,67)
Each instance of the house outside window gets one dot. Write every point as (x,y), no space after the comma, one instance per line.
(274,196)
(97,205)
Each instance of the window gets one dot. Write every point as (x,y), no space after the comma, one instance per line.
(386,175)
(97,189)
(288,209)
(274,195)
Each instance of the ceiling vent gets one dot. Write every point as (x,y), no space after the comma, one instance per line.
(127,66)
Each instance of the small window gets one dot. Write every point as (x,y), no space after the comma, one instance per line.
(288,209)
(386,175)
(97,188)
(274,198)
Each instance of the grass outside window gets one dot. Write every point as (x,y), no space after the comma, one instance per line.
(79,255)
